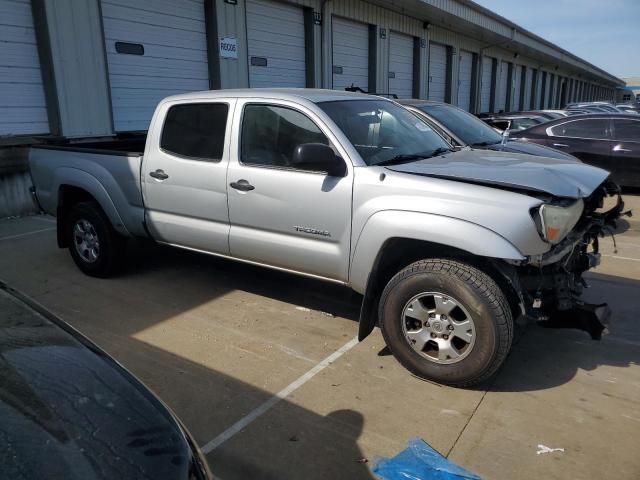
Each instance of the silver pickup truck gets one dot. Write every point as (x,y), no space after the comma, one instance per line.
(446,247)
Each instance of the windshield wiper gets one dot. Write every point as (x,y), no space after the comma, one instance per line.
(410,157)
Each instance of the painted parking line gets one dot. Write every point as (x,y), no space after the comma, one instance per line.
(622,258)
(281,395)
(42,218)
(26,234)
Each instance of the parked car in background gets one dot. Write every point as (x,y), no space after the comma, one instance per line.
(609,141)
(70,411)
(513,122)
(594,107)
(461,128)
(627,108)
(556,113)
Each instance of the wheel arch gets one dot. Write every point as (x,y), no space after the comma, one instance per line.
(70,194)
(398,252)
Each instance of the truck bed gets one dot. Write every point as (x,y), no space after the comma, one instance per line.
(108,170)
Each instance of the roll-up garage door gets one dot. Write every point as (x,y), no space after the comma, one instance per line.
(350,54)
(465,79)
(437,72)
(154,49)
(22,104)
(401,65)
(528,82)
(485,84)
(275,41)
(517,82)
(503,89)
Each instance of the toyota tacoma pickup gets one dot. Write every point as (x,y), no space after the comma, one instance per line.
(447,248)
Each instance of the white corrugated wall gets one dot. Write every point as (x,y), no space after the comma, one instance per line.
(172,33)
(22,102)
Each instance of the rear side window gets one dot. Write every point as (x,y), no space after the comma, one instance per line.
(195,131)
(270,135)
(596,128)
(628,130)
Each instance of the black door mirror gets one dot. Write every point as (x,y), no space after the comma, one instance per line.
(318,157)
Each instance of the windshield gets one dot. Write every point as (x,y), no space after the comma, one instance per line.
(465,126)
(382,131)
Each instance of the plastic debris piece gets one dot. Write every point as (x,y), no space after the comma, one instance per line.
(420,462)
(303,309)
(544,449)
(361,460)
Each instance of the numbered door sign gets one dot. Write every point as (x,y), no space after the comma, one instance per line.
(228,47)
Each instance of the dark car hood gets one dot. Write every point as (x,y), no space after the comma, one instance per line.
(561,178)
(520,146)
(67,410)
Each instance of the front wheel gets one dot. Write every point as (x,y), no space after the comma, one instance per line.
(96,248)
(446,321)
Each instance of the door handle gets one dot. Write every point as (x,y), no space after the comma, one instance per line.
(560,145)
(159,175)
(619,148)
(242,185)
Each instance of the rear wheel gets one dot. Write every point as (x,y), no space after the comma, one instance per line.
(96,248)
(446,321)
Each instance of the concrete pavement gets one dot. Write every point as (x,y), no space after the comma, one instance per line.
(217,340)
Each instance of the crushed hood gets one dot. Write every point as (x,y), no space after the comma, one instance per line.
(561,178)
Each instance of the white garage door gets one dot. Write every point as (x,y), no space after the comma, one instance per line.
(485,85)
(517,83)
(539,102)
(465,79)
(275,38)
(154,49)
(22,105)
(528,81)
(437,72)
(401,65)
(503,89)
(350,54)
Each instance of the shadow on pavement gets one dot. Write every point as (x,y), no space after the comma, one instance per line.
(544,358)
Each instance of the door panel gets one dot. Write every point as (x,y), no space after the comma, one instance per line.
(465,79)
(625,152)
(292,219)
(401,65)
(275,42)
(587,139)
(437,72)
(184,177)
(485,86)
(350,54)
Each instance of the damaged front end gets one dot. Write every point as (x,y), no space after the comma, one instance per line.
(551,284)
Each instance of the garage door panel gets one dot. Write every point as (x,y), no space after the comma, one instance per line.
(150,35)
(503,89)
(485,88)
(517,81)
(184,8)
(22,100)
(351,53)
(437,72)
(465,79)
(401,64)
(144,18)
(275,31)
(174,60)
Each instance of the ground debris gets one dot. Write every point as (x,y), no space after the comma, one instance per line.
(544,449)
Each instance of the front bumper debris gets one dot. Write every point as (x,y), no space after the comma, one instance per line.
(593,319)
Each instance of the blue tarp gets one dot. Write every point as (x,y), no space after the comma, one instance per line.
(420,462)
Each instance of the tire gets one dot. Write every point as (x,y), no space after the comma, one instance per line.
(101,253)
(456,352)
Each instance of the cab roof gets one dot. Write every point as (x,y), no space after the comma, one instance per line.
(314,95)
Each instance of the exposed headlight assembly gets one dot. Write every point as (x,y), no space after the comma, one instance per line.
(557,221)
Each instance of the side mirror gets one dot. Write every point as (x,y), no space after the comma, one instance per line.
(318,157)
